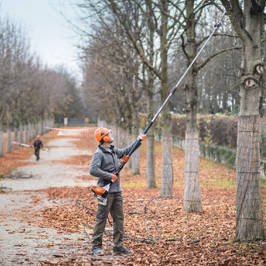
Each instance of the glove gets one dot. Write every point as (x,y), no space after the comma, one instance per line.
(114,178)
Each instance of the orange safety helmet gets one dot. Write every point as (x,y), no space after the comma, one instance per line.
(101,135)
(38,137)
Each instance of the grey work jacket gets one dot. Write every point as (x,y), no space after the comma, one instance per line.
(105,163)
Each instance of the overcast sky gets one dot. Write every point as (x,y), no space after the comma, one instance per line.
(50,35)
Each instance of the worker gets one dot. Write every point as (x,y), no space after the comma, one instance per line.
(104,165)
(37,145)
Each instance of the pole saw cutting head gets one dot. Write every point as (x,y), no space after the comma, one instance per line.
(101,193)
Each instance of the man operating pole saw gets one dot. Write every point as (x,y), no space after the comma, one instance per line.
(104,166)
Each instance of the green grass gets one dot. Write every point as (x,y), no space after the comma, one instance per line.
(179,182)
(263,182)
(263,185)
(134,184)
(143,148)
(216,182)
(158,148)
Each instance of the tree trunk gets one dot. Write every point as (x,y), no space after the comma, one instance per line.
(249,220)
(25,139)
(192,194)
(16,137)
(150,167)
(135,158)
(248,23)
(167,162)
(115,131)
(1,143)
(8,141)
(20,133)
(8,135)
(42,126)
(167,153)
(135,166)
(129,138)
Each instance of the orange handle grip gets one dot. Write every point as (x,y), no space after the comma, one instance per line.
(126,158)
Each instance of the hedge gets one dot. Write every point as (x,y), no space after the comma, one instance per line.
(218,154)
(213,129)
(217,136)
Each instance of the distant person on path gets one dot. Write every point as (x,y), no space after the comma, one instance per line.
(37,145)
(103,165)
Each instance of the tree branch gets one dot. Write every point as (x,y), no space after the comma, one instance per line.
(215,54)
(237,18)
(135,43)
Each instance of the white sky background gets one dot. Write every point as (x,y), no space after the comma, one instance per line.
(51,37)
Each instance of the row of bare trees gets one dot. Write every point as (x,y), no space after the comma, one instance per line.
(134,51)
(30,91)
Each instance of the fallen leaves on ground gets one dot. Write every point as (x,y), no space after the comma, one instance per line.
(156,228)
(15,159)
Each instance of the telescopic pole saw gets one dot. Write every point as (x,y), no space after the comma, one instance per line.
(173,90)
(101,192)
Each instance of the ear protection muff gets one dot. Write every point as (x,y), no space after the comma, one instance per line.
(105,137)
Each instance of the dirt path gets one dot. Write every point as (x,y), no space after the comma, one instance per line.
(22,242)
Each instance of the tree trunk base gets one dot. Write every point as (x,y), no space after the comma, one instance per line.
(192,206)
(192,194)
(247,230)
(249,219)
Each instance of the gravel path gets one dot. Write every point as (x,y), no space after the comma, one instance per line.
(20,241)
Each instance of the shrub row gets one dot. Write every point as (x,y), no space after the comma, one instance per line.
(213,130)
(218,154)
(217,137)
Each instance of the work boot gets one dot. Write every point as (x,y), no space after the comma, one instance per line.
(97,251)
(123,251)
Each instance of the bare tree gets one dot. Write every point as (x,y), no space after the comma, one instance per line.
(165,31)
(109,47)
(248,19)
(26,90)
(114,84)
(192,39)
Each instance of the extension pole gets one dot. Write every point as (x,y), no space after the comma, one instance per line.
(173,90)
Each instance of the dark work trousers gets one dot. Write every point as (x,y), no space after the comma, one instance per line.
(115,207)
(37,154)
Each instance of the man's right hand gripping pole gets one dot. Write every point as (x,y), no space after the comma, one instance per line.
(114,178)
